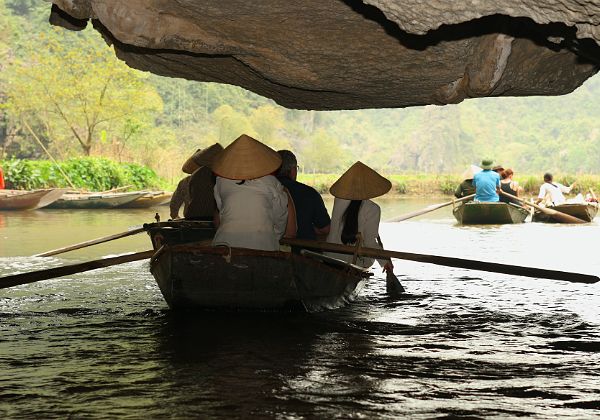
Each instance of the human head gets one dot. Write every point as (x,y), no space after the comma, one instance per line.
(507,173)
(360,183)
(498,169)
(246,158)
(289,164)
(547,177)
(486,164)
(202,157)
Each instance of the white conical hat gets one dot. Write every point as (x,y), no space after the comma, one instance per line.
(360,183)
(246,158)
(202,157)
(471,171)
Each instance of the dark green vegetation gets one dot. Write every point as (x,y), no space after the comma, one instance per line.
(79,99)
(94,174)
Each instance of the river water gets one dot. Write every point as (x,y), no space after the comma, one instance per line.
(465,344)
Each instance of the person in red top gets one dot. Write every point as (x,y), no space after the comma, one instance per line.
(1,179)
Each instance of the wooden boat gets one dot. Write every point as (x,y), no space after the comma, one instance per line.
(199,276)
(583,211)
(94,201)
(149,199)
(28,200)
(486,213)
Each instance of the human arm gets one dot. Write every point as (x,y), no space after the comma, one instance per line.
(321,220)
(177,199)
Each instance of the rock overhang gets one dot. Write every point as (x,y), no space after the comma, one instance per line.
(352,54)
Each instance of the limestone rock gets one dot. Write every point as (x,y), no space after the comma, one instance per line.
(333,54)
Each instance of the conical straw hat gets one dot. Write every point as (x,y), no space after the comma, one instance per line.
(360,183)
(202,157)
(471,171)
(246,158)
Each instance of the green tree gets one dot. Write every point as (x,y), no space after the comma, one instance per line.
(73,93)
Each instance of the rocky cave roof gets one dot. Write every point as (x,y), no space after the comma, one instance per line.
(351,54)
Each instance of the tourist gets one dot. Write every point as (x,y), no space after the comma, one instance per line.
(466,187)
(486,183)
(311,215)
(551,193)
(195,192)
(255,211)
(355,217)
(510,186)
(498,169)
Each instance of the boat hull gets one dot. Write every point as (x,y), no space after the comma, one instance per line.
(222,278)
(484,213)
(148,200)
(583,211)
(94,201)
(28,200)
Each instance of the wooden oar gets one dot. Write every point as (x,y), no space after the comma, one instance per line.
(90,242)
(428,209)
(393,287)
(560,216)
(447,261)
(50,273)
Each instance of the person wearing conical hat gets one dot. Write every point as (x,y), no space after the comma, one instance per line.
(487,183)
(466,187)
(355,216)
(195,192)
(255,211)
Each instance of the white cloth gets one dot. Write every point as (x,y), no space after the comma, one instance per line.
(555,190)
(369,215)
(253,214)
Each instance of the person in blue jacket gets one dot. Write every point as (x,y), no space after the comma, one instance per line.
(487,183)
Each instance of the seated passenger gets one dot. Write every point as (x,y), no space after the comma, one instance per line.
(508,185)
(195,192)
(354,213)
(466,187)
(311,214)
(486,183)
(255,211)
(551,193)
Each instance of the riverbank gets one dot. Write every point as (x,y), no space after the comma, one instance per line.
(419,184)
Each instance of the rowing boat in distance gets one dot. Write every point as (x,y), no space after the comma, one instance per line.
(583,211)
(196,275)
(28,200)
(149,199)
(489,213)
(94,201)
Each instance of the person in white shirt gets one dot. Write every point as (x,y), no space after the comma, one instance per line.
(551,193)
(255,211)
(355,217)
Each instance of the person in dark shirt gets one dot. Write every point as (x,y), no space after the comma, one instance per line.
(466,187)
(312,218)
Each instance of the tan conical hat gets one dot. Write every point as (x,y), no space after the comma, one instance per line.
(202,157)
(246,158)
(360,183)
(471,171)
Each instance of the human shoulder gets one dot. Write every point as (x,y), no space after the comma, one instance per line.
(371,207)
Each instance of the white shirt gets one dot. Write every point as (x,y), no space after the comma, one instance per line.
(369,215)
(555,190)
(253,214)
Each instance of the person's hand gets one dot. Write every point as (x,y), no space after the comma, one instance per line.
(388,267)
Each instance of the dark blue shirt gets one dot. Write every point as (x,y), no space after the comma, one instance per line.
(310,209)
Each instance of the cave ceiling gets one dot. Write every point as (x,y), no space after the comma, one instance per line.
(352,54)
